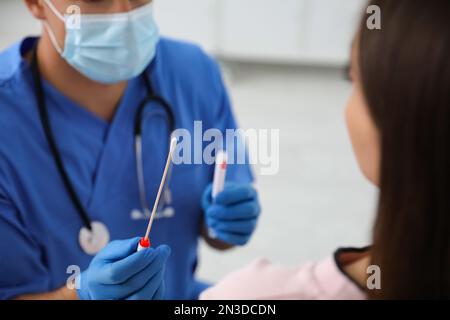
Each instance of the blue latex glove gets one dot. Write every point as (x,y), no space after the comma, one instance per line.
(119,272)
(233,215)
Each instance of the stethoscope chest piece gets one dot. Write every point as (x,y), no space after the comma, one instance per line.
(92,241)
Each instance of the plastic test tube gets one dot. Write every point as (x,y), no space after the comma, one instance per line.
(220,172)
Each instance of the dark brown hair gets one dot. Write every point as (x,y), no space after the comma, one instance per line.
(405,74)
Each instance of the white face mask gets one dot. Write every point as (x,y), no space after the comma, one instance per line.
(109,48)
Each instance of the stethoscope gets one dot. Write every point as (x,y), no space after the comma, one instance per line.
(94,235)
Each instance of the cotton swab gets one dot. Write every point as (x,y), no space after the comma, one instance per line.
(144,243)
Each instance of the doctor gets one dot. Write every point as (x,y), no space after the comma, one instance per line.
(73,106)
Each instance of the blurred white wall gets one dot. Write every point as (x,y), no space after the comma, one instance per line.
(15,22)
(317,32)
(288,31)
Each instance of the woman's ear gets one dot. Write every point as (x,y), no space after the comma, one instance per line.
(36,8)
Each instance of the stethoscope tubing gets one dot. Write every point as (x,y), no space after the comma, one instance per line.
(44,118)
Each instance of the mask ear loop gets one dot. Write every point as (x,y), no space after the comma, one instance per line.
(53,39)
(49,29)
(55,11)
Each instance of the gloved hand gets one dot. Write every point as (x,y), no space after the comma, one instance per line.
(233,215)
(119,272)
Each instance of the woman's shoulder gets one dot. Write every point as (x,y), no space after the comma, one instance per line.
(262,279)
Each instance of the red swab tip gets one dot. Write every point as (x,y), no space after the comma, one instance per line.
(145,243)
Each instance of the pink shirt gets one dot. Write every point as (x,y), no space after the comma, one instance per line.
(262,280)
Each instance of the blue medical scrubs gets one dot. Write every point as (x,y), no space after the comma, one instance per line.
(39,225)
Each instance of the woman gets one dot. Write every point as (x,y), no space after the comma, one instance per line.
(398,118)
(77,105)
